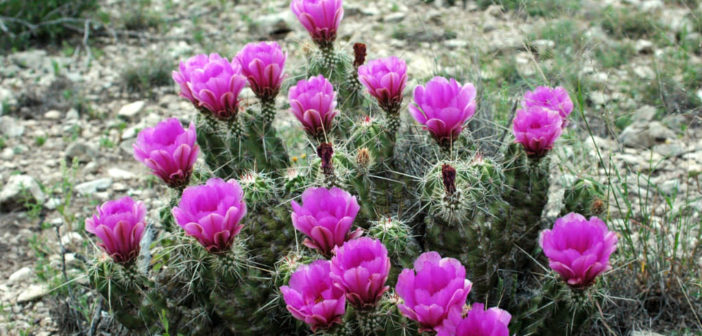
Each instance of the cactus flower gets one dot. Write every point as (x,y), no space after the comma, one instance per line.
(313,103)
(360,267)
(478,322)
(556,99)
(443,106)
(263,64)
(213,84)
(312,298)
(537,128)
(385,80)
(578,249)
(169,151)
(321,18)
(325,216)
(119,224)
(211,213)
(434,288)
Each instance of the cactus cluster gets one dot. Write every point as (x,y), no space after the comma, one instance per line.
(237,257)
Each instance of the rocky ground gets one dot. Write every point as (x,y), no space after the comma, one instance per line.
(69,117)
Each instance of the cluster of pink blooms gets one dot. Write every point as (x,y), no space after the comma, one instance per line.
(213,83)
(541,120)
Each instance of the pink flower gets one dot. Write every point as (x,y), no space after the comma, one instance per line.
(169,151)
(578,249)
(312,298)
(325,216)
(537,128)
(183,76)
(385,80)
(434,288)
(556,99)
(212,83)
(313,103)
(263,64)
(211,213)
(360,267)
(479,322)
(119,224)
(321,18)
(443,106)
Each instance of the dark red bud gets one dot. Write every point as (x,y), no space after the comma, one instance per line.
(448,174)
(359,53)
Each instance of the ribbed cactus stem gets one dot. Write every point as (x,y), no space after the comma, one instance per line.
(235,128)
(393,123)
(268,111)
(329,58)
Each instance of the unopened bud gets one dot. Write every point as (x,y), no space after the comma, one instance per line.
(363,157)
(448,175)
(359,53)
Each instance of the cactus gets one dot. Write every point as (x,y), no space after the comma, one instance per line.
(414,192)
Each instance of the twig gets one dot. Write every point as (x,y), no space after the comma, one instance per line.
(96,317)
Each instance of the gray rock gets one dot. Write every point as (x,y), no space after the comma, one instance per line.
(71,239)
(645,113)
(33,292)
(645,134)
(281,22)
(7,153)
(645,333)
(52,203)
(120,174)
(10,127)
(21,275)
(82,151)
(90,187)
(131,110)
(72,114)
(394,17)
(669,149)
(19,190)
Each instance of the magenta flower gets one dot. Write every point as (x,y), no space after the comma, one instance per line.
(263,64)
(313,103)
(537,128)
(119,224)
(443,106)
(578,249)
(434,288)
(385,80)
(360,267)
(479,322)
(325,216)
(321,18)
(556,99)
(212,83)
(211,213)
(312,298)
(183,76)
(169,151)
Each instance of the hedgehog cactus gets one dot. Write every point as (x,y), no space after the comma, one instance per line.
(267,243)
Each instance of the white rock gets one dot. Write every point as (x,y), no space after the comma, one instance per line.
(670,186)
(72,114)
(82,151)
(90,187)
(132,109)
(120,174)
(19,188)
(21,275)
(644,46)
(71,238)
(645,333)
(32,293)
(645,113)
(10,127)
(52,115)
(52,203)
(644,72)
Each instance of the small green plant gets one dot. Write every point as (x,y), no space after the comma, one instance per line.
(152,72)
(40,140)
(627,23)
(46,20)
